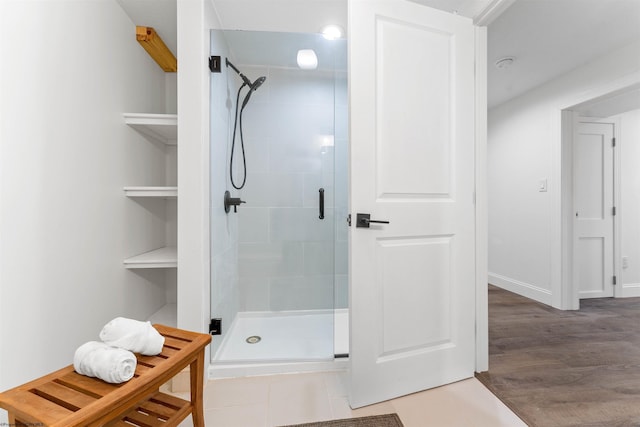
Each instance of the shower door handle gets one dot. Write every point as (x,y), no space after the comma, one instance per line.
(321,202)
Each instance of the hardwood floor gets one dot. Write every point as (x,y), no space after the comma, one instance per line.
(565,368)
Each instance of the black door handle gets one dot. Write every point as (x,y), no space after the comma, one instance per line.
(363,220)
(321,202)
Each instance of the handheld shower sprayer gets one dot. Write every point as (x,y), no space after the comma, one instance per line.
(252,88)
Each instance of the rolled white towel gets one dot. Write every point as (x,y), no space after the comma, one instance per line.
(99,360)
(133,335)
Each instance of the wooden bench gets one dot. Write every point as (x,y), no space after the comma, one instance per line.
(66,398)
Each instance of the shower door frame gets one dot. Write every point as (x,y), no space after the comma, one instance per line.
(333,77)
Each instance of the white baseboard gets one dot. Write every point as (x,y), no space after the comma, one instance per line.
(630,290)
(521,288)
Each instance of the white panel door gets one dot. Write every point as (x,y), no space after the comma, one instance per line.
(593,200)
(412,289)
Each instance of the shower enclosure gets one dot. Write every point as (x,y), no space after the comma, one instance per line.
(279,260)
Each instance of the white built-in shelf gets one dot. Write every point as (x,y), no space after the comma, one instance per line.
(167,315)
(161,127)
(166,257)
(163,192)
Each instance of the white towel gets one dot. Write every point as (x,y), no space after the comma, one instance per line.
(133,335)
(99,360)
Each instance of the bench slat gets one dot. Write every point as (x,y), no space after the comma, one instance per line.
(175,343)
(156,409)
(88,385)
(168,352)
(160,408)
(118,423)
(173,410)
(179,334)
(141,369)
(64,396)
(143,419)
(30,407)
(168,400)
(150,360)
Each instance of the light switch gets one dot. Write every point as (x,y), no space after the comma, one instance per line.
(542,185)
(625,262)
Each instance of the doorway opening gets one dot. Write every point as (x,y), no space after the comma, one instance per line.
(596,120)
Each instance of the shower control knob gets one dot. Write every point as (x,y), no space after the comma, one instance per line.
(231,201)
(236,203)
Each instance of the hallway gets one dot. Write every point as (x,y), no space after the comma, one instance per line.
(565,368)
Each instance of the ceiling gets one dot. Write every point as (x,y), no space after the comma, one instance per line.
(469,8)
(546,38)
(549,38)
(277,49)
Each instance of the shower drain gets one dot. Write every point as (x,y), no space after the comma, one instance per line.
(254,339)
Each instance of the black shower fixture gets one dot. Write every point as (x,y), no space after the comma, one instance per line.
(246,82)
(244,78)
(252,88)
(231,201)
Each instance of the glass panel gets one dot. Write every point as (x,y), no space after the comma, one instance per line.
(274,261)
(341,150)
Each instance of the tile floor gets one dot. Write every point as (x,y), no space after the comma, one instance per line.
(298,398)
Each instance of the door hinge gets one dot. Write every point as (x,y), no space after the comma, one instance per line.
(613,211)
(614,280)
(215,327)
(214,64)
(613,141)
(349,220)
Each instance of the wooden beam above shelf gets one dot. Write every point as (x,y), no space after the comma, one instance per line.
(153,44)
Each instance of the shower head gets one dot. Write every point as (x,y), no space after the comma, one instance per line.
(253,87)
(258,83)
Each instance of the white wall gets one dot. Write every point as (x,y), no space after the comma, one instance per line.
(195,19)
(286,254)
(69,71)
(523,135)
(629,149)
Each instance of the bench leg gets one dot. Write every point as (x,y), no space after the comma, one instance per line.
(197,385)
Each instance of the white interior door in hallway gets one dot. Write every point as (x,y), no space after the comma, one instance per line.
(412,284)
(593,201)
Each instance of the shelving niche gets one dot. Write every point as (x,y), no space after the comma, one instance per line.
(163,129)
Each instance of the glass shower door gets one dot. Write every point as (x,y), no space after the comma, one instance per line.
(283,303)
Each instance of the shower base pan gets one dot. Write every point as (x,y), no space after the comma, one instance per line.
(262,343)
